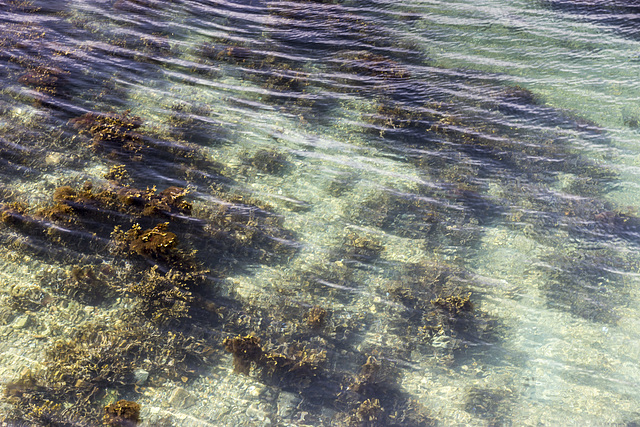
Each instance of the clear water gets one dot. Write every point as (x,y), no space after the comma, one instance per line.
(377,213)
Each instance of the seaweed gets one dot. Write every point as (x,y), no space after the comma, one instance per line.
(242,226)
(366,63)
(362,248)
(342,183)
(245,350)
(95,359)
(372,398)
(369,413)
(316,316)
(269,161)
(13,214)
(371,378)
(27,297)
(166,297)
(88,286)
(113,204)
(122,413)
(46,80)
(454,304)
(439,311)
(118,174)
(401,214)
(111,132)
(298,366)
(157,242)
(486,403)
(587,284)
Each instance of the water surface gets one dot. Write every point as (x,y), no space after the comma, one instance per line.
(320,213)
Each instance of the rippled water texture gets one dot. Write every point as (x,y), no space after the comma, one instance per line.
(319,213)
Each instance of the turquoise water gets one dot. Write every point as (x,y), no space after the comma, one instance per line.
(319,213)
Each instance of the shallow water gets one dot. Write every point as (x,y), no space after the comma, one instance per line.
(320,213)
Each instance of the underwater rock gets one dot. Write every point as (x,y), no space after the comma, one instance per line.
(140,376)
(21,322)
(181,399)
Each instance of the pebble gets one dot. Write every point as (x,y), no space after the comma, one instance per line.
(256,391)
(255,413)
(21,322)
(287,403)
(140,376)
(181,398)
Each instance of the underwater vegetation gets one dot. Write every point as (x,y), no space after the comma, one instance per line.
(316,316)
(486,404)
(144,245)
(89,285)
(113,132)
(423,216)
(297,365)
(371,398)
(365,63)
(439,311)
(123,413)
(461,148)
(48,81)
(268,161)
(100,360)
(166,228)
(589,284)
(363,246)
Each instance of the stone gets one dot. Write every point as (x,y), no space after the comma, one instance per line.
(287,404)
(256,413)
(181,398)
(140,376)
(21,322)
